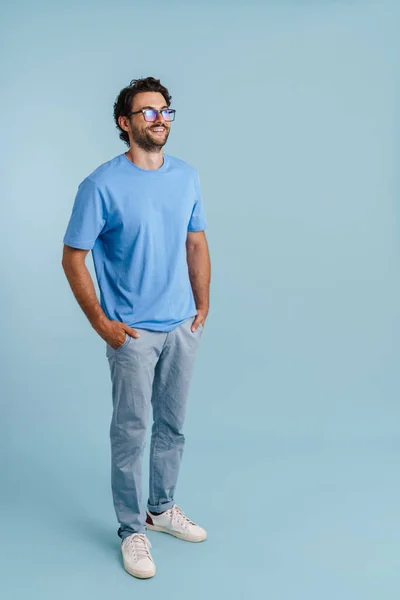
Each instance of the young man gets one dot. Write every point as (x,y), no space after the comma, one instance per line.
(142,215)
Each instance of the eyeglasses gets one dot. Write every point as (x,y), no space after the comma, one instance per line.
(151,114)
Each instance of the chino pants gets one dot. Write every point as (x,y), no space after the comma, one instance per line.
(153,370)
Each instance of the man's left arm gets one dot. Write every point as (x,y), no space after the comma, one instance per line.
(198,260)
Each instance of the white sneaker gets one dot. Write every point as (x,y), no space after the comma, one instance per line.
(175,522)
(136,555)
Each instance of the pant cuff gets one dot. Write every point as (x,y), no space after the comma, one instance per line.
(159,508)
(124,533)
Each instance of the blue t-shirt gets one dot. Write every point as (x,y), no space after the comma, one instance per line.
(135,221)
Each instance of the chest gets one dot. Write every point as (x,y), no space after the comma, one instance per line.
(154,206)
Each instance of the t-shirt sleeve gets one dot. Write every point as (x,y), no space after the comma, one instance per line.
(88,217)
(198,220)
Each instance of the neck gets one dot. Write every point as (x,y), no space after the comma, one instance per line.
(145,160)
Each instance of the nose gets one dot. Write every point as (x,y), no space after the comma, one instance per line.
(160,119)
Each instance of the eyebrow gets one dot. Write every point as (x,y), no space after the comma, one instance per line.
(163,106)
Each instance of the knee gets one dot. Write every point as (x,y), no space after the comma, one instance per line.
(132,434)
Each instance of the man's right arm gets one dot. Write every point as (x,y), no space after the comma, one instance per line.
(112,331)
(79,278)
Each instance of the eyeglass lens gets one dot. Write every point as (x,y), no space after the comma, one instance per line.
(150,114)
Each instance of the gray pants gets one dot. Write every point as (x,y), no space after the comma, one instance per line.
(154,369)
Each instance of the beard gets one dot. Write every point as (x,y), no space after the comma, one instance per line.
(147,141)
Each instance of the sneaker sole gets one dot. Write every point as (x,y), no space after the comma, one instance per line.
(139,574)
(175,533)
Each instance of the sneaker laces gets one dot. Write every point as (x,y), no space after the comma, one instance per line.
(140,544)
(178,516)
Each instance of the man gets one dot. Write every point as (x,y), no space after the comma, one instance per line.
(142,215)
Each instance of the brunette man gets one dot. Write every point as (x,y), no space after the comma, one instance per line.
(142,216)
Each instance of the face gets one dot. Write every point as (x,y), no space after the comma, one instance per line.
(149,135)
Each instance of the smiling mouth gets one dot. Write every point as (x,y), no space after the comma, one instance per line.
(158,129)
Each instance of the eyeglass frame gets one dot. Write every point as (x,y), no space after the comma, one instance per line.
(157,111)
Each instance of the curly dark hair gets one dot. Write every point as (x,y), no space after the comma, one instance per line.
(123,103)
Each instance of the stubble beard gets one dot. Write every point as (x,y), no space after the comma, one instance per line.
(145,141)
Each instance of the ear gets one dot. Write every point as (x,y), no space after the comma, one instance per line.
(122,123)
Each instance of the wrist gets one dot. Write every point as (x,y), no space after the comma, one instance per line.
(101,324)
(203,307)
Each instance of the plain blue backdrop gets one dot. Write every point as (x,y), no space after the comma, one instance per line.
(289,110)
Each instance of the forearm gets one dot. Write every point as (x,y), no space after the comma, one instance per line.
(199,266)
(83,289)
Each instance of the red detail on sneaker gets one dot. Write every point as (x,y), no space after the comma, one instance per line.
(149,520)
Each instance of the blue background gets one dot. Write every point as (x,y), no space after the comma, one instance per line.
(289,110)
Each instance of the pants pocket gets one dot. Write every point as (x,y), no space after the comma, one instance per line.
(124,343)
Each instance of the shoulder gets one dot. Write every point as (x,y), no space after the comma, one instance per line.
(182,165)
(102,174)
